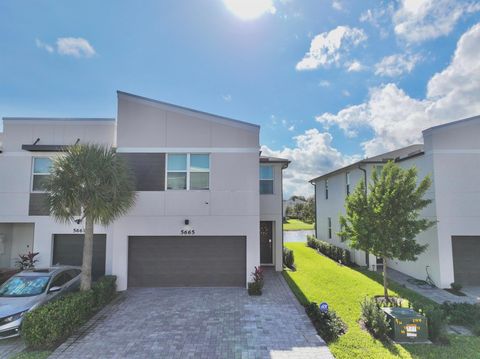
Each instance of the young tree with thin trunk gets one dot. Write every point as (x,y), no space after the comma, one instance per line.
(386,220)
(89,183)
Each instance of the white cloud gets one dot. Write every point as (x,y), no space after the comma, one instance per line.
(74,46)
(346,93)
(324,83)
(329,48)
(227,98)
(396,119)
(379,18)
(396,65)
(312,154)
(70,46)
(40,44)
(337,5)
(355,66)
(420,20)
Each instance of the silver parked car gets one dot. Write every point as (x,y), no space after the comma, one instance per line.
(30,289)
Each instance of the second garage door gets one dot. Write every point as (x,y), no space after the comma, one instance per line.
(200,261)
(466,263)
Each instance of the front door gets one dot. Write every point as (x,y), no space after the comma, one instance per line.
(266,242)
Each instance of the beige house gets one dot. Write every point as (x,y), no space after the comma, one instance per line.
(209,207)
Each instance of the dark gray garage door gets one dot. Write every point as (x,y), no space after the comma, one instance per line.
(68,250)
(198,261)
(466,259)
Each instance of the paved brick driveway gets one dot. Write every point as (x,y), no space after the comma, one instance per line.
(200,323)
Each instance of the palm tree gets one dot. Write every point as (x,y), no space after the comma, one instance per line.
(89,182)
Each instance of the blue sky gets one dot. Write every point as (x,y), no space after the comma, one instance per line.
(376,75)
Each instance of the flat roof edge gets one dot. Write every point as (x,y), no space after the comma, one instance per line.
(109,119)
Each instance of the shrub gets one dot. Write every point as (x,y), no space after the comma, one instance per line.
(255,287)
(104,290)
(338,254)
(457,287)
(374,319)
(328,324)
(288,258)
(437,331)
(49,324)
(462,313)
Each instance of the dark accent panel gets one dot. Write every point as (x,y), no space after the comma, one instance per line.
(68,250)
(466,264)
(38,205)
(200,261)
(45,148)
(266,242)
(149,170)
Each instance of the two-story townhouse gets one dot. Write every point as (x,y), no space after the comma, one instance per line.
(450,155)
(208,209)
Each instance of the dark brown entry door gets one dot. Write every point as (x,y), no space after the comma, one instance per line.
(266,242)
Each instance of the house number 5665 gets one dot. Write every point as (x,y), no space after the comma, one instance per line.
(185,232)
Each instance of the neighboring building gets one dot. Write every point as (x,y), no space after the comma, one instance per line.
(291,202)
(451,156)
(208,210)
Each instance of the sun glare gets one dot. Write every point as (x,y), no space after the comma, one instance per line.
(249,9)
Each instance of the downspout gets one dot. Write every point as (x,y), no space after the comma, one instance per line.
(367,254)
(315,207)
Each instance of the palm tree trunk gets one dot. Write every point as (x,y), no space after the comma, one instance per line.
(385,282)
(86,281)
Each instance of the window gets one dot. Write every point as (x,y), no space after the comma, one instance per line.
(188,171)
(266,179)
(326,189)
(329,228)
(177,171)
(199,171)
(60,280)
(378,169)
(41,171)
(347,181)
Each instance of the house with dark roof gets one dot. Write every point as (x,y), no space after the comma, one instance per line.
(450,155)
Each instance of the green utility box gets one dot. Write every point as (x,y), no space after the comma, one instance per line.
(407,325)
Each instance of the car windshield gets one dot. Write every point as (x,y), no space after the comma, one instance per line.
(24,286)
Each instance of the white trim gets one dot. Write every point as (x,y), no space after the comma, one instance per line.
(33,174)
(454,152)
(188,150)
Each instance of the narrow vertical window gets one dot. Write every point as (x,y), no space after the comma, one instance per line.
(177,171)
(266,179)
(347,182)
(378,169)
(329,228)
(326,189)
(199,171)
(41,172)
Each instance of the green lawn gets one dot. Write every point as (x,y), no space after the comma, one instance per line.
(32,355)
(297,225)
(320,279)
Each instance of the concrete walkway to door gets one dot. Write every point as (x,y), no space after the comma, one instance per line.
(200,323)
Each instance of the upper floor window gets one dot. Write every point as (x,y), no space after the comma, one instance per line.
(187,171)
(41,172)
(326,189)
(347,182)
(266,179)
